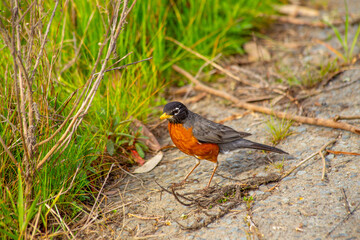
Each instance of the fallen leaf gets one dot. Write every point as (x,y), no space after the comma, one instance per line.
(150,164)
(256,52)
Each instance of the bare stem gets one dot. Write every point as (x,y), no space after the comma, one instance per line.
(283,115)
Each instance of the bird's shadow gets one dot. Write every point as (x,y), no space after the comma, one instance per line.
(244,161)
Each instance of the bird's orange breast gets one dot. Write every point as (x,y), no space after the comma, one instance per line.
(184,139)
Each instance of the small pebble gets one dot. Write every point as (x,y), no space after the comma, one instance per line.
(285,200)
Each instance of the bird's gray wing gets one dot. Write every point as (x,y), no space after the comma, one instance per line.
(207,131)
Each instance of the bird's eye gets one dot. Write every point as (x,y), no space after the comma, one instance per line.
(176,111)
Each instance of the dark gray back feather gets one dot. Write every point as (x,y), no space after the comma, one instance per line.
(207,131)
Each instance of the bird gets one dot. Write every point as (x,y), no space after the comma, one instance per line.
(204,139)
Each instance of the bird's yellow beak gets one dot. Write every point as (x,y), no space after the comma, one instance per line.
(165,116)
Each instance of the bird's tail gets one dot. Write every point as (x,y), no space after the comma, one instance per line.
(244,143)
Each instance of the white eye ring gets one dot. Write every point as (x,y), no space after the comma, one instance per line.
(176,111)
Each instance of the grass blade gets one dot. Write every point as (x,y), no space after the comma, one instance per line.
(32,210)
(20,203)
(346,31)
(354,42)
(8,234)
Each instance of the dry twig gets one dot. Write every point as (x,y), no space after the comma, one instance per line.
(345,153)
(59,219)
(337,117)
(323,166)
(283,115)
(346,203)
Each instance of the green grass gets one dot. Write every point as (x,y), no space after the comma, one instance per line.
(347,48)
(249,200)
(311,75)
(64,183)
(279,129)
(209,27)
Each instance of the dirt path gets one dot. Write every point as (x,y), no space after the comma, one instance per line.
(301,206)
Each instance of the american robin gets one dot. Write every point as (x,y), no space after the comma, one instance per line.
(204,139)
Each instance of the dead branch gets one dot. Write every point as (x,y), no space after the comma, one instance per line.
(283,115)
(337,118)
(91,88)
(43,42)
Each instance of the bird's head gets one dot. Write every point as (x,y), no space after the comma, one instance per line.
(175,112)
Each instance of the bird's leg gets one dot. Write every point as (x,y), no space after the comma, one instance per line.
(196,165)
(212,175)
